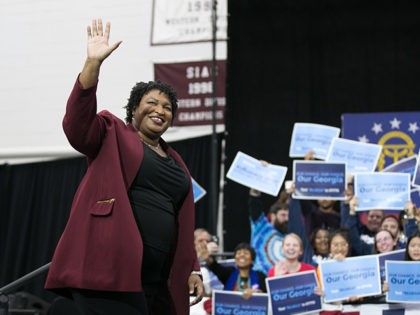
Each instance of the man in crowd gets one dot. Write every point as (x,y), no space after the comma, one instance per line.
(267,234)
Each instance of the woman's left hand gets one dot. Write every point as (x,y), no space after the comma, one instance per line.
(196,288)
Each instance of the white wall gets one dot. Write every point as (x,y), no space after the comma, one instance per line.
(43,47)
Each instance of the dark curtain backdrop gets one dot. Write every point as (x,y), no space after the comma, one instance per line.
(310,61)
(288,61)
(35,201)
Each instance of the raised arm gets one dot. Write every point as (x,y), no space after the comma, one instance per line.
(98,49)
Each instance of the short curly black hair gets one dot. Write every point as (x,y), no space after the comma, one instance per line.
(142,88)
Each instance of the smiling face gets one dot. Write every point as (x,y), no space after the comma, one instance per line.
(384,241)
(153,115)
(321,242)
(339,245)
(243,259)
(292,248)
(414,248)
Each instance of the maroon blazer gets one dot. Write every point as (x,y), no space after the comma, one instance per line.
(101,247)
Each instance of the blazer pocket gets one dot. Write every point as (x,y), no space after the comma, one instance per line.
(102,207)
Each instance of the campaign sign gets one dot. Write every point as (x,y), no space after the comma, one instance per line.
(415,196)
(252,173)
(407,165)
(198,191)
(388,191)
(319,180)
(311,137)
(294,294)
(358,156)
(416,174)
(230,303)
(354,276)
(403,279)
(394,255)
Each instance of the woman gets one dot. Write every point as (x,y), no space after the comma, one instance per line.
(384,242)
(339,244)
(412,251)
(339,250)
(292,249)
(242,277)
(319,242)
(316,249)
(128,245)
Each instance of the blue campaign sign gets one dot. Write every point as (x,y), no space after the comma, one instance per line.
(415,196)
(319,180)
(230,303)
(311,137)
(394,255)
(358,156)
(388,191)
(407,165)
(397,133)
(294,294)
(403,279)
(250,172)
(198,191)
(354,276)
(416,175)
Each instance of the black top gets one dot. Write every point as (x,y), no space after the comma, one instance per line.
(156,195)
(224,273)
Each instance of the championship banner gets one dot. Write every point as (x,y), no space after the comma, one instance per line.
(181,21)
(398,133)
(192,82)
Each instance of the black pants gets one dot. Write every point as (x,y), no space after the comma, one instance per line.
(91,302)
(154,300)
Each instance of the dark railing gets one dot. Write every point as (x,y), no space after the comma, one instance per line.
(11,287)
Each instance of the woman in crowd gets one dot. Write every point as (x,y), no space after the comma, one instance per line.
(339,244)
(314,250)
(319,242)
(242,277)
(292,250)
(412,251)
(384,242)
